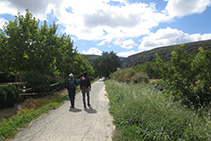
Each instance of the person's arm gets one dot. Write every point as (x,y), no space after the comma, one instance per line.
(76,82)
(66,84)
(80,83)
(89,84)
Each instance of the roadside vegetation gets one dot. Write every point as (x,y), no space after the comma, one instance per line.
(31,110)
(143,113)
(177,107)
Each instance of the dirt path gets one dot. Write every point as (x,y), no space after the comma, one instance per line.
(79,124)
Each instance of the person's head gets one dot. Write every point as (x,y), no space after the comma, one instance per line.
(70,75)
(85,73)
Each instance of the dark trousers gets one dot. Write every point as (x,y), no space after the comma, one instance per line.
(71,93)
(84,91)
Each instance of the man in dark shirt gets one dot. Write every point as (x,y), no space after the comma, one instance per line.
(85,87)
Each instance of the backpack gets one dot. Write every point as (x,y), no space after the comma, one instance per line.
(84,82)
(72,83)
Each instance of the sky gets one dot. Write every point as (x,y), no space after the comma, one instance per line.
(125,27)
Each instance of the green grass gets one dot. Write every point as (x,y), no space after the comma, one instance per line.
(141,113)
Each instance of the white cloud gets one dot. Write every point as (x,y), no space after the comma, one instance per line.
(186,7)
(39,8)
(169,36)
(98,20)
(128,44)
(128,53)
(101,43)
(2,21)
(93,51)
(93,19)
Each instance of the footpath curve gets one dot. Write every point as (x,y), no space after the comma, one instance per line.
(78,124)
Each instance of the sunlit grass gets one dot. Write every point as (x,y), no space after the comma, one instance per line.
(143,114)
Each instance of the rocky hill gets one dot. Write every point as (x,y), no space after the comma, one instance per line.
(164,52)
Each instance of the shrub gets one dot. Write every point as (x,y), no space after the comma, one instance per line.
(129,75)
(9,96)
(39,82)
(3,96)
(187,78)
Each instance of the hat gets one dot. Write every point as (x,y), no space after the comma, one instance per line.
(71,75)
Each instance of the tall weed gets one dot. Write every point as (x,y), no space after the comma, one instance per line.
(130,75)
(141,113)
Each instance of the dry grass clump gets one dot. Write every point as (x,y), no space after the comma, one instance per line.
(129,75)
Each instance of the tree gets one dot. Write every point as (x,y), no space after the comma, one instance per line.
(106,64)
(187,78)
(30,48)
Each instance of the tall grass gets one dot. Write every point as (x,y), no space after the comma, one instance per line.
(130,75)
(141,113)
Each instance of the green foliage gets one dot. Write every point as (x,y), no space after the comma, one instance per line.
(38,82)
(150,68)
(129,75)
(3,96)
(106,64)
(26,46)
(9,96)
(187,78)
(140,113)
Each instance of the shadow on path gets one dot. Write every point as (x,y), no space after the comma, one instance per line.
(75,110)
(90,110)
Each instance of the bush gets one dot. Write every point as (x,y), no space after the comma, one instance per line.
(188,79)
(9,96)
(129,75)
(37,81)
(3,96)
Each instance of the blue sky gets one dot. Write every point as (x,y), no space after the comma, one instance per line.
(124,26)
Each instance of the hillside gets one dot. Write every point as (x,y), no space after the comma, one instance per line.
(163,52)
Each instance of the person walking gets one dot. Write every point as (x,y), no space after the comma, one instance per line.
(71,84)
(85,87)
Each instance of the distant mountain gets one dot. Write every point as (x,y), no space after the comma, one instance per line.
(165,53)
(149,56)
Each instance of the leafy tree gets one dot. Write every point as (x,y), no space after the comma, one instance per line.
(3,53)
(30,48)
(187,77)
(106,64)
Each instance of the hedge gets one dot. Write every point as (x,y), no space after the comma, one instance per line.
(9,95)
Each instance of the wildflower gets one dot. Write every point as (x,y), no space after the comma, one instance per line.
(189,124)
(208,139)
(146,128)
(184,105)
(181,125)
